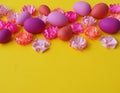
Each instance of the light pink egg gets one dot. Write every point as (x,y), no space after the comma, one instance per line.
(82,8)
(22,17)
(57,19)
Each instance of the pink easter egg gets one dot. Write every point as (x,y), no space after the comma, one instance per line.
(34,25)
(82,8)
(109,25)
(5,35)
(57,19)
(22,17)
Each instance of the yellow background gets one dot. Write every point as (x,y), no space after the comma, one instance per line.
(61,69)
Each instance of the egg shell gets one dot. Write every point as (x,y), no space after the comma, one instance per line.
(44,10)
(65,33)
(57,19)
(109,25)
(22,17)
(82,8)
(34,25)
(5,35)
(100,10)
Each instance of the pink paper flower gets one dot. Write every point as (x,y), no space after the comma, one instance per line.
(78,42)
(12,27)
(88,21)
(4,10)
(23,38)
(117,16)
(72,16)
(109,42)
(40,45)
(29,8)
(115,8)
(43,18)
(50,32)
(12,16)
(91,32)
(77,28)
(2,24)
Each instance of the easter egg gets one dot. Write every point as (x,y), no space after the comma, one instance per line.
(34,25)
(5,35)
(82,8)
(65,33)
(44,10)
(109,25)
(100,10)
(22,17)
(57,19)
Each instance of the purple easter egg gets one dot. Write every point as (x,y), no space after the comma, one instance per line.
(34,25)
(5,35)
(22,17)
(57,19)
(82,8)
(109,25)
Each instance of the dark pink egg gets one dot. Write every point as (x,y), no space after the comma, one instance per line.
(5,35)
(100,10)
(65,33)
(109,25)
(44,10)
(34,25)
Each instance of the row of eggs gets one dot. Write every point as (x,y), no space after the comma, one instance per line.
(55,18)
(99,11)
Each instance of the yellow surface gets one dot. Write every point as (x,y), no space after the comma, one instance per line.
(61,69)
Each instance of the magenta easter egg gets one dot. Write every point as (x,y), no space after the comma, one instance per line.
(82,8)
(22,17)
(109,25)
(5,35)
(57,19)
(34,25)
